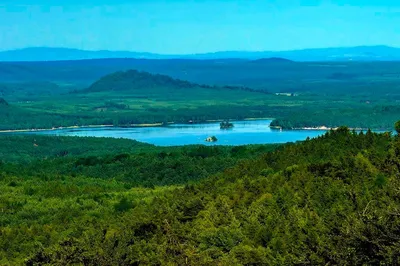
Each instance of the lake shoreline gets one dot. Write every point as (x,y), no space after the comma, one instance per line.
(79,127)
(123,126)
(145,125)
(322,128)
(245,132)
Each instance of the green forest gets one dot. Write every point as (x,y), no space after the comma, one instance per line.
(333,200)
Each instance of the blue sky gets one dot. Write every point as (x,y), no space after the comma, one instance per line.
(176,26)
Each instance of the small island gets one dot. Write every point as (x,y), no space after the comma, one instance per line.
(212,139)
(226,125)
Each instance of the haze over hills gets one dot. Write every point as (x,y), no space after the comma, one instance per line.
(62,54)
(359,53)
(273,74)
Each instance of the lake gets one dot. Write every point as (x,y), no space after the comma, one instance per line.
(244,132)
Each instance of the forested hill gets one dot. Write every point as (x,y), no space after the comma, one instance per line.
(3,102)
(136,80)
(333,200)
(140,81)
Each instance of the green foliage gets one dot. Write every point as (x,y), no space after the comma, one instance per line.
(27,148)
(379,116)
(331,200)
(397,127)
(126,161)
(123,205)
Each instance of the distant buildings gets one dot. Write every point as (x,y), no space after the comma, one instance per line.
(290,94)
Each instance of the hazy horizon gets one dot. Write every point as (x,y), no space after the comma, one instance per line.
(209,52)
(193,27)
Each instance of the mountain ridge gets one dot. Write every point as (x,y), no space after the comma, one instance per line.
(364,53)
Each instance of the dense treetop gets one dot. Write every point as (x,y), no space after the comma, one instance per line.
(331,200)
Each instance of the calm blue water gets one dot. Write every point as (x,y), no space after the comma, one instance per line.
(244,132)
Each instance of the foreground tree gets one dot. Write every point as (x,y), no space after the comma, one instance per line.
(397,127)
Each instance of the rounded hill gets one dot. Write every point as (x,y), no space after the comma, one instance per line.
(136,80)
(3,102)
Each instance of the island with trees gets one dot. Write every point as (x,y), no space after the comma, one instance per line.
(226,125)
(212,139)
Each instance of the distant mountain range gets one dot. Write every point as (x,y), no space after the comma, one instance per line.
(359,53)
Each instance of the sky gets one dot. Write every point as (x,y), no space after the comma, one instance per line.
(189,26)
